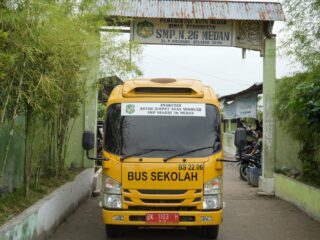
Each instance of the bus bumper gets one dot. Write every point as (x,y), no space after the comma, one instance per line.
(138,218)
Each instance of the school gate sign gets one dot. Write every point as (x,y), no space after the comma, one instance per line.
(198,32)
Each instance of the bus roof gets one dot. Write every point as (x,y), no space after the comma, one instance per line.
(163,89)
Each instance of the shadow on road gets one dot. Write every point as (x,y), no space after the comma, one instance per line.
(162,234)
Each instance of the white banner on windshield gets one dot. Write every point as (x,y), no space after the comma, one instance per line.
(164,109)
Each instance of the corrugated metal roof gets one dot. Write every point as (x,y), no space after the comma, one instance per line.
(256,88)
(199,9)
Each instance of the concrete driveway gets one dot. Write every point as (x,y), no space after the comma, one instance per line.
(247,216)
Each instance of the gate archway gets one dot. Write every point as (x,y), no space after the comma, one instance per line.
(244,24)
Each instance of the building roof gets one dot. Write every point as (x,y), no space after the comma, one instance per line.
(254,89)
(199,9)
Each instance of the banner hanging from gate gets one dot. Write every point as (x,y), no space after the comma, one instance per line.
(198,32)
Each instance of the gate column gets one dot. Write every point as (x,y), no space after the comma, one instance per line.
(266,183)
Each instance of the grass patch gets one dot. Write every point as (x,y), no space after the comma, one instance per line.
(14,203)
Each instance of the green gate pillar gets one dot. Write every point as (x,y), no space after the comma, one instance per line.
(90,108)
(90,116)
(269,84)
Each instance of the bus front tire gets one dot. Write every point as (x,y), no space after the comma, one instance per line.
(113,231)
(210,232)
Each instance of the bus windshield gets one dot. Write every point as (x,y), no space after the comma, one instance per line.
(125,135)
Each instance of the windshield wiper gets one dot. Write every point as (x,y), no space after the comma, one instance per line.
(144,152)
(186,152)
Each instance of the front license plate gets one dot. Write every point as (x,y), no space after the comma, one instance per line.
(162,218)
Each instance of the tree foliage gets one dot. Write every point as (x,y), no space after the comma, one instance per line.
(6,59)
(48,49)
(298,109)
(106,85)
(117,57)
(298,97)
(303,31)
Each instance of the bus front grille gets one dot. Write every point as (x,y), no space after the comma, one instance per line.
(162,199)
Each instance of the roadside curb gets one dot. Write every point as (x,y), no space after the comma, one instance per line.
(41,219)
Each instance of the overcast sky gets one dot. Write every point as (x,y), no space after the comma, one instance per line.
(222,68)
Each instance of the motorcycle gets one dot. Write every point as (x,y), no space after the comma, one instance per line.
(251,156)
(248,161)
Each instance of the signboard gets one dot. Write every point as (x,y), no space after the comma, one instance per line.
(249,35)
(164,109)
(198,32)
(241,107)
(230,111)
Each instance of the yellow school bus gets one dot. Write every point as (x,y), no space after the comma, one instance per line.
(162,142)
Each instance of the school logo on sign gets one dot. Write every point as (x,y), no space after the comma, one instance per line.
(130,109)
(145,29)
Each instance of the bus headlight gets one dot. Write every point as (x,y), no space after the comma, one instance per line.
(112,201)
(211,202)
(112,197)
(212,194)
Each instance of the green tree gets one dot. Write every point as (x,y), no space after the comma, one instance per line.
(55,46)
(298,109)
(298,97)
(303,31)
(106,85)
(6,62)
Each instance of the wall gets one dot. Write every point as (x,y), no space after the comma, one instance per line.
(86,121)
(228,143)
(90,108)
(286,151)
(40,220)
(13,172)
(75,154)
(307,198)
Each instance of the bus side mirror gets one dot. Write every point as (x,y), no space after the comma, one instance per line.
(240,139)
(88,140)
(88,144)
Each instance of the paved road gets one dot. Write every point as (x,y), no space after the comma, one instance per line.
(247,216)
